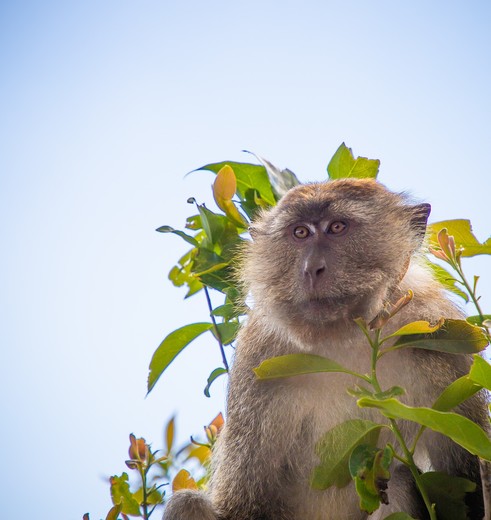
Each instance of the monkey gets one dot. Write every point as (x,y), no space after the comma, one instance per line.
(326,254)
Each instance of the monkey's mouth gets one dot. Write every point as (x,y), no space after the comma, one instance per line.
(325,308)
(325,303)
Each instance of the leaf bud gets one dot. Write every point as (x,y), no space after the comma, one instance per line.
(138,450)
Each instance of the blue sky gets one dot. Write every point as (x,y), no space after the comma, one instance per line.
(105,106)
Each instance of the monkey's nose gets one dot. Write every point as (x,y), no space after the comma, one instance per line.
(313,272)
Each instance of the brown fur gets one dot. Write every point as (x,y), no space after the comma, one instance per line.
(304,299)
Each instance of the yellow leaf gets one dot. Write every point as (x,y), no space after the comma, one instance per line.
(225,184)
(233,213)
(202,453)
(224,189)
(183,480)
(418,327)
(169,434)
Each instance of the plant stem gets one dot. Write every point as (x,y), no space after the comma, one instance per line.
(414,470)
(145,497)
(375,344)
(470,290)
(215,327)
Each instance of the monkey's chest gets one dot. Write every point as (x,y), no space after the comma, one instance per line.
(326,402)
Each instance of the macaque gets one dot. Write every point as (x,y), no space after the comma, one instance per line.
(326,254)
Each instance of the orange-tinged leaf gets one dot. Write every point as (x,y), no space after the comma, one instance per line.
(138,448)
(218,421)
(224,189)
(225,184)
(183,480)
(169,434)
(249,177)
(114,512)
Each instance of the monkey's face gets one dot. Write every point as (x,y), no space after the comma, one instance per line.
(332,251)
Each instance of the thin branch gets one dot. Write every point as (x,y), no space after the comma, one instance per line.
(215,327)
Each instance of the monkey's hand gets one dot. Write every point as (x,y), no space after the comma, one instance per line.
(189,505)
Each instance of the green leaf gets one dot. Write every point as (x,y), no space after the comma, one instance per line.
(167,229)
(360,391)
(368,501)
(281,180)
(297,364)
(461,230)
(228,331)
(182,274)
(212,270)
(447,280)
(456,393)
(172,345)
(448,493)
(344,165)
(219,230)
(335,448)
(460,429)
(194,222)
(455,337)
(393,391)
(481,372)
(214,375)
(227,311)
(154,496)
(235,297)
(369,466)
(121,494)
(207,261)
(219,280)
(478,320)
(361,460)
(249,176)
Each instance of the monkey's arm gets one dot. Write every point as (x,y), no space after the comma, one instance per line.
(251,465)
(256,451)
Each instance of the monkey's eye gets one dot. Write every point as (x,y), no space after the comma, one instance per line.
(337,227)
(301,232)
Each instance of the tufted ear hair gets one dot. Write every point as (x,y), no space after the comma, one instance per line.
(419,219)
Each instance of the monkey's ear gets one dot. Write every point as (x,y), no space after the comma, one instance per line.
(419,218)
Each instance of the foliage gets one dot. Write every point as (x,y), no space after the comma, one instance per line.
(348,451)
(152,471)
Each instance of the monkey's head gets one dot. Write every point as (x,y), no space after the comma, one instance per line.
(332,251)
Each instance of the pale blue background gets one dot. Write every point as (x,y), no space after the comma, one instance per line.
(105,105)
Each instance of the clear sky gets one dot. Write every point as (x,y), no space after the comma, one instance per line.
(105,106)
